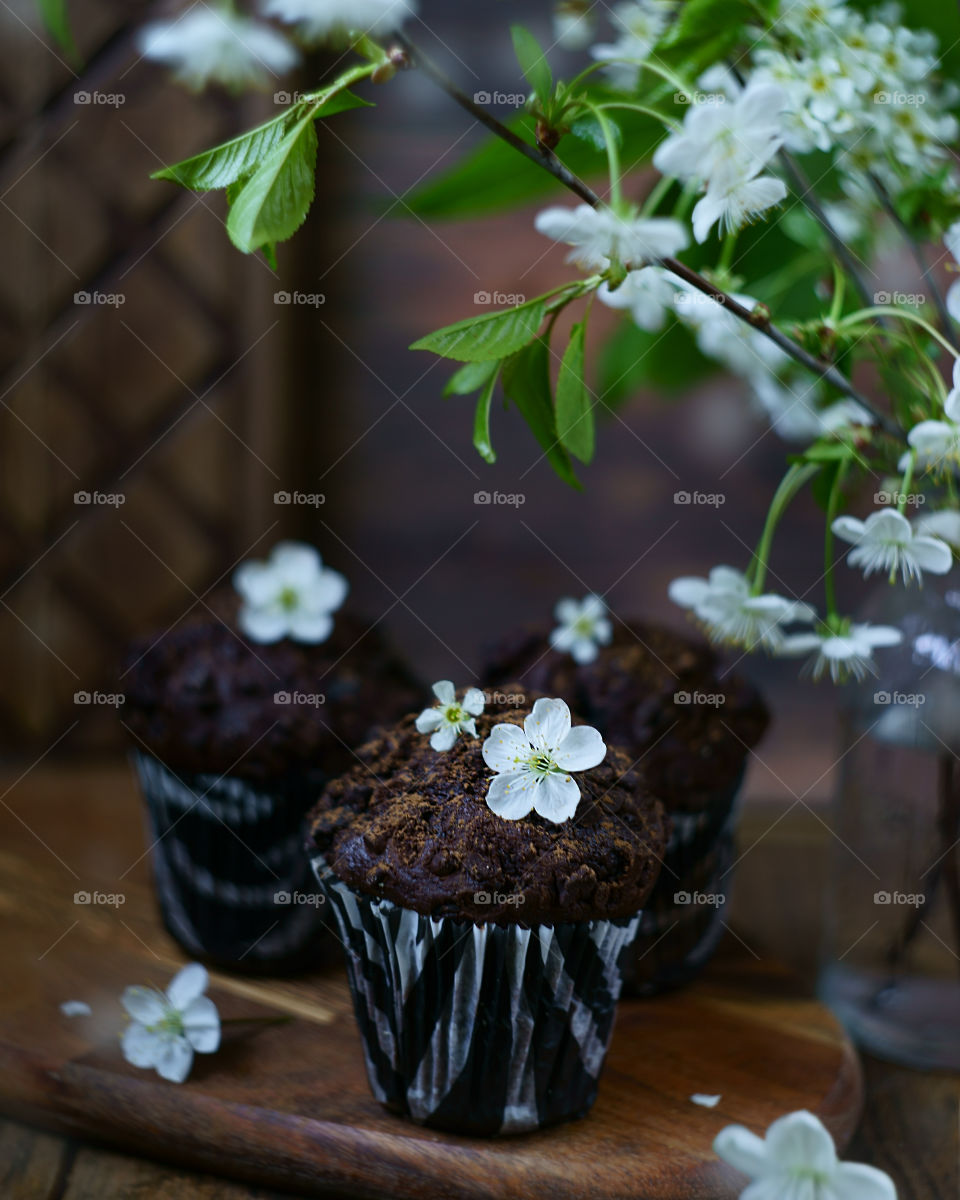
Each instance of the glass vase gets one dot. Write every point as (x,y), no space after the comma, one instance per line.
(891,966)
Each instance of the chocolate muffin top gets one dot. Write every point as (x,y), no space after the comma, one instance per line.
(205,698)
(658,694)
(411,824)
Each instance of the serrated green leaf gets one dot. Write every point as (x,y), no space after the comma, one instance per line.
(483,339)
(466,381)
(53,13)
(481,420)
(533,62)
(270,254)
(526,380)
(239,158)
(272,204)
(575,419)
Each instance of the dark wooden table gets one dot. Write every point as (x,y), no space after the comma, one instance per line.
(911,1122)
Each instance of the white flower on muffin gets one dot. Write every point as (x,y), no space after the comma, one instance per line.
(448,719)
(166,1028)
(584,627)
(798,1158)
(533,765)
(292,595)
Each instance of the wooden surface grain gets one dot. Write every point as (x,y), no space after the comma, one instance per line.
(58,827)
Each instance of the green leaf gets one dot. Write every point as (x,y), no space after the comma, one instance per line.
(526,380)
(588,130)
(53,13)
(533,62)
(575,420)
(483,339)
(481,420)
(273,202)
(270,254)
(240,157)
(466,381)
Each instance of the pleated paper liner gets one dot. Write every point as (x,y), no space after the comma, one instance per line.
(479,1029)
(233,883)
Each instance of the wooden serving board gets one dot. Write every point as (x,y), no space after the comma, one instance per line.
(288,1105)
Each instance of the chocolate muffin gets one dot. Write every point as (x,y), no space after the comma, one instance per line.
(483,952)
(668,701)
(232,739)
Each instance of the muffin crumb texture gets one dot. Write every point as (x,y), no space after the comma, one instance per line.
(412,825)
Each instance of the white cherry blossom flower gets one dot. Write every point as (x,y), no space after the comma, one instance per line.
(886,542)
(600,236)
(937,445)
(797,1159)
(212,44)
(533,765)
(723,604)
(736,203)
(639,24)
(840,654)
(292,594)
(790,403)
(317,20)
(573,24)
(167,1028)
(76,1008)
(725,338)
(647,294)
(451,717)
(584,626)
(723,143)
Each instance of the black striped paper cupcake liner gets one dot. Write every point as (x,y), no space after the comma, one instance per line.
(479,1029)
(233,882)
(681,928)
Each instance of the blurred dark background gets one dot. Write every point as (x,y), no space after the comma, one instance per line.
(192,397)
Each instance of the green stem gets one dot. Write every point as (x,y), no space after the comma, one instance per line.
(907,483)
(839,293)
(669,122)
(613,153)
(728,251)
(903,314)
(829,583)
(795,478)
(657,193)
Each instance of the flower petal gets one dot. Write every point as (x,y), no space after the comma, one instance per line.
(848,528)
(511,796)
(548,723)
(145,1005)
(474,701)
(953,300)
(429,720)
(742,1149)
(262,625)
(505,748)
(581,749)
(256,583)
(688,591)
(932,554)
(857,1181)
(201,1025)
(296,563)
(800,1141)
(567,610)
(445,692)
(310,628)
(174,1059)
(444,738)
(583,649)
(140,1047)
(556,798)
(187,985)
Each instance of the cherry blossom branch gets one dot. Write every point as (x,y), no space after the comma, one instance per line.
(545,158)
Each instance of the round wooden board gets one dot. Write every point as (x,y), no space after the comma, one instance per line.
(290,1106)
